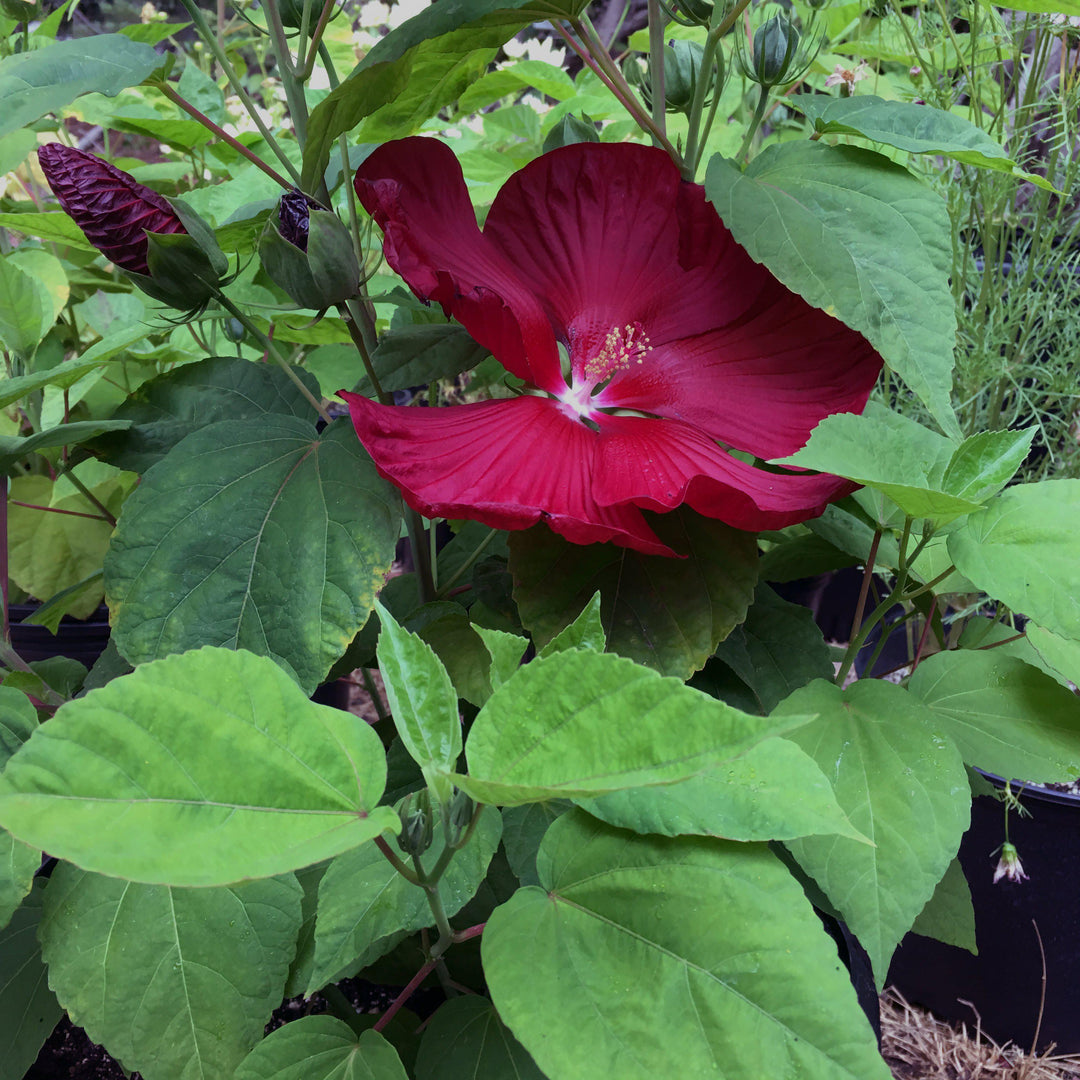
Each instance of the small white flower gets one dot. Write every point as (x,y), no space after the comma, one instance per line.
(848,77)
(1008,866)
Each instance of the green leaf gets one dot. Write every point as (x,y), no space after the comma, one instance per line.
(51,225)
(1006,716)
(1021,549)
(559,728)
(18,720)
(52,552)
(918,129)
(859,236)
(28,1009)
(455,27)
(506,651)
(585,632)
(467,1038)
(422,701)
(948,915)
(418,355)
(18,864)
(524,828)
(200,769)
(1064,7)
(71,371)
(364,901)
(774,791)
(14,449)
(303,962)
(615,966)
(24,309)
(984,463)
(175,982)
(892,454)
(45,80)
(778,649)
(164,410)
(902,785)
(254,534)
(321,1048)
(1062,654)
(667,613)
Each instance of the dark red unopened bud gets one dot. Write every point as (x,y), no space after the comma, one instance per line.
(112,208)
(294,210)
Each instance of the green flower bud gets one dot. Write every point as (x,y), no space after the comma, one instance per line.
(185,268)
(309,253)
(458,815)
(697,11)
(19,10)
(776,47)
(571,129)
(417,824)
(682,69)
(292,12)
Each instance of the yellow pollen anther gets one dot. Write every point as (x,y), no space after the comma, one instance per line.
(622,346)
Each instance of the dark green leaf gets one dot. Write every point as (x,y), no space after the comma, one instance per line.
(948,915)
(14,448)
(778,649)
(918,129)
(164,410)
(523,830)
(45,80)
(667,613)
(418,355)
(199,769)
(254,534)
(467,1038)
(28,1009)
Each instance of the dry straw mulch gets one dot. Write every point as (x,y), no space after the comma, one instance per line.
(917,1046)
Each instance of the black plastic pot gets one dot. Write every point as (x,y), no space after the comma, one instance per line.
(80,639)
(1003,986)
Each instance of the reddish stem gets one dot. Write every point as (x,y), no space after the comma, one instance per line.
(469,932)
(923,635)
(404,996)
(56,510)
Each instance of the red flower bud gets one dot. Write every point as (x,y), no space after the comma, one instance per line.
(108,205)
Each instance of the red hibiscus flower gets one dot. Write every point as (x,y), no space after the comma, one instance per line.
(112,208)
(679,349)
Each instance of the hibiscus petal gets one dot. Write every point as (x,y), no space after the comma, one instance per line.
(660,464)
(610,235)
(508,464)
(416,193)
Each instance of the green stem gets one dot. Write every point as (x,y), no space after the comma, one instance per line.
(294,89)
(421,558)
(353,315)
(317,44)
(89,496)
(272,351)
(696,134)
(210,38)
(456,576)
(376,697)
(755,122)
(656,69)
(170,92)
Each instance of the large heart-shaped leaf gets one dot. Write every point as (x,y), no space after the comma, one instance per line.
(467,1038)
(200,769)
(174,982)
(639,955)
(254,534)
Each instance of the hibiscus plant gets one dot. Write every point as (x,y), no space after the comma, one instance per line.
(613,782)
